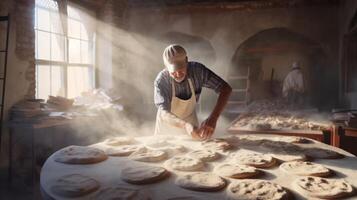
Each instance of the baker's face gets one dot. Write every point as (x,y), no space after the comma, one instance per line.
(179,75)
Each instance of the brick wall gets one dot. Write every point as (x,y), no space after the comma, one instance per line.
(25,41)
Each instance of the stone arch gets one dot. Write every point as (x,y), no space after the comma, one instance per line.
(198,48)
(269,55)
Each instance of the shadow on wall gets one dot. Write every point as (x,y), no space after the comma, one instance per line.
(269,54)
(198,48)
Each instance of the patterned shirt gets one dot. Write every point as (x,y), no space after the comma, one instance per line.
(200,77)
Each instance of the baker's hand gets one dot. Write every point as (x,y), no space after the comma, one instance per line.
(192,131)
(207,128)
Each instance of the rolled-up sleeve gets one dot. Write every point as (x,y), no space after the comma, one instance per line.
(162,97)
(211,80)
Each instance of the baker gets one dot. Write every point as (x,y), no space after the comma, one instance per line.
(293,86)
(177,91)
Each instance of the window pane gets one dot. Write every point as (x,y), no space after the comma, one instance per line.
(3,33)
(57,47)
(43,19)
(73,13)
(74,51)
(78,80)
(50,4)
(2,63)
(43,45)
(56,25)
(74,28)
(84,32)
(36,11)
(57,82)
(85,52)
(43,88)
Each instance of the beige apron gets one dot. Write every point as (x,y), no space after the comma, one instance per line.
(183,109)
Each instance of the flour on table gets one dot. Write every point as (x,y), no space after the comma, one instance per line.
(124,150)
(118,141)
(121,192)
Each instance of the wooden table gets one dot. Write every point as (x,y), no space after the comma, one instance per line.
(31,126)
(342,134)
(322,136)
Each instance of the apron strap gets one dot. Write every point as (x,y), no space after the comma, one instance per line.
(193,93)
(173,89)
(190,84)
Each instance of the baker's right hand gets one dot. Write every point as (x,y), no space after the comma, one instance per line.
(192,131)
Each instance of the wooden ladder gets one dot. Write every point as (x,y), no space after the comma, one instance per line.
(240,96)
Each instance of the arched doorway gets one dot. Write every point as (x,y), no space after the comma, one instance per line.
(268,56)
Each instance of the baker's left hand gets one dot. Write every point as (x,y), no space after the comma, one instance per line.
(207,128)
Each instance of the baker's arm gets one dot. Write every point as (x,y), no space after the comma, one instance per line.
(222,100)
(209,125)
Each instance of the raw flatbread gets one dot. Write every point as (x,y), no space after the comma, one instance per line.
(256,189)
(236,171)
(147,155)
(290,139)
(216,144)
(74,185)
(79,155)
(143,174)
(284,151)
(201,181)
(184,198)
(322,188)
(118,141)
(125,150)
(318,153)
(305,168)
(252,159)
(164,145)
(182,163)
(121,192)
(245,140)
(204,155)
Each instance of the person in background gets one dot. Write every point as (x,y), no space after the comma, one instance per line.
(294,86)
(177,89)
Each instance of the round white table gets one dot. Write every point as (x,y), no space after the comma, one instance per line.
(107,173)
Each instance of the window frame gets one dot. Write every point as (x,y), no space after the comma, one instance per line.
(65,64)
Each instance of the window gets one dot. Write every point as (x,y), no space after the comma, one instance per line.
(64,50)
